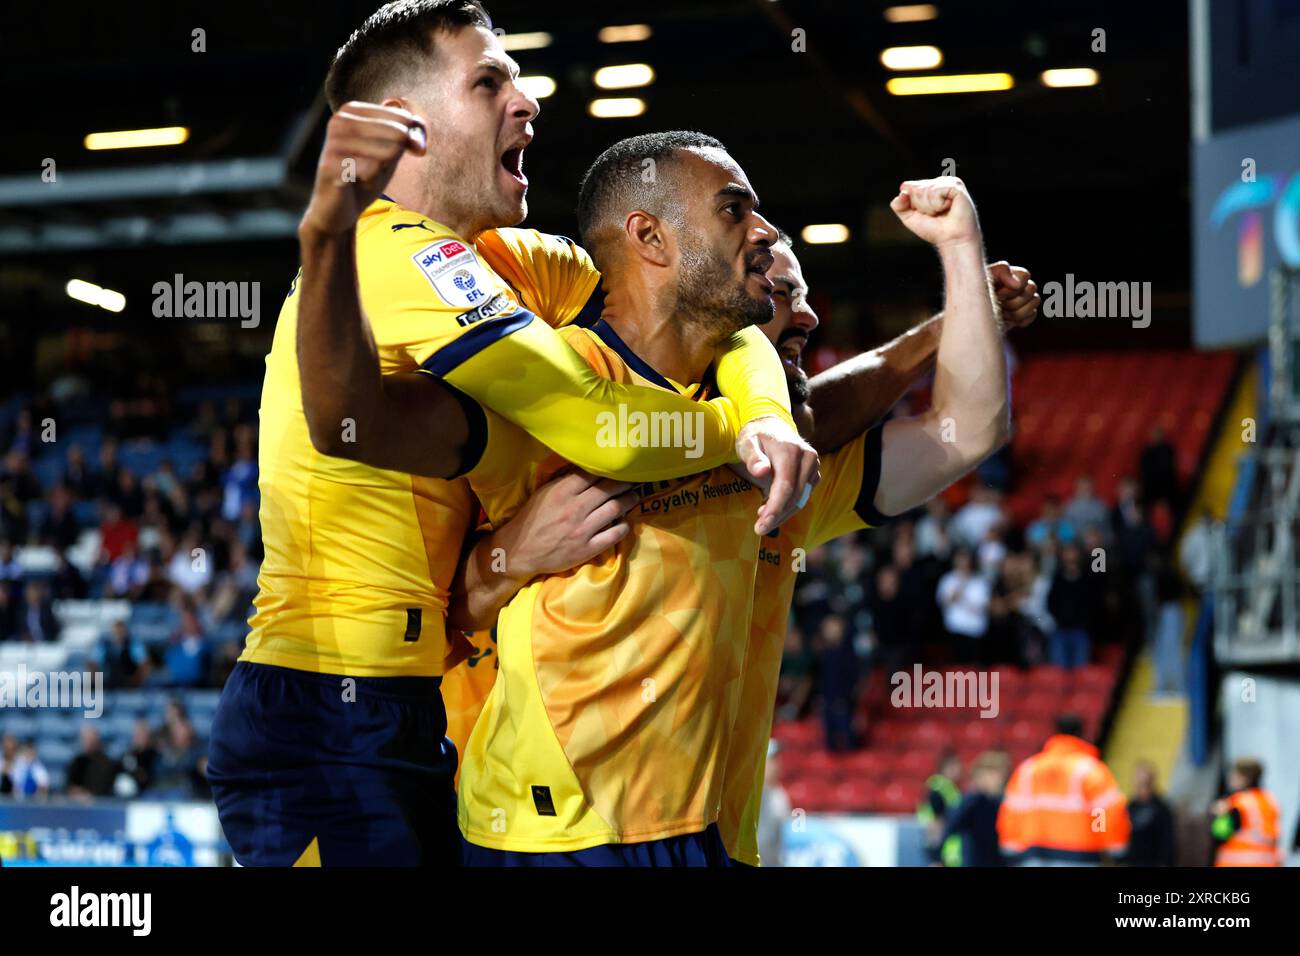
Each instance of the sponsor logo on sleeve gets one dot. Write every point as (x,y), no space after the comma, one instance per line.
(497,305)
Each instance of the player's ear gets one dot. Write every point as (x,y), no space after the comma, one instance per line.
(645,234)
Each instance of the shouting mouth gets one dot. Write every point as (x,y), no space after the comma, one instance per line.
(512,161)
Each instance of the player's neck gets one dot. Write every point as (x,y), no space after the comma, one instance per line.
(409,193)
(671,348)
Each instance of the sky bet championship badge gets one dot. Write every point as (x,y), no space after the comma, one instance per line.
(455,273)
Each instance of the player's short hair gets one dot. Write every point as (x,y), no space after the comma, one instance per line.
(620,180)
(394,41)
(783,238)
(1250,769)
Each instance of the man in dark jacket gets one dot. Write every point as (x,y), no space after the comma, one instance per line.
(1152,840)
(975,821)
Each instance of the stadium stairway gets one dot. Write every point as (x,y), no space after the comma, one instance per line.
(1151,728)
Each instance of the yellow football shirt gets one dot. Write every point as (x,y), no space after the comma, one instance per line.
(841,503)
(618,684)
(358,559)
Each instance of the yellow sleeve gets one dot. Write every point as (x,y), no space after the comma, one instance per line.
(434,306)
(843,500)
(552,275)
(749,372)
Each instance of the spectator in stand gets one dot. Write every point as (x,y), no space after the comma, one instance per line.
(963,598)
(190,567)
(37,622)
(128,495)
(773,811)
(915,590)
(1085,509)
(119,657)
(59,528)
(1195,554)
(932,539)
(128,574)
(92,772)
(139,763)
(1050,526)
(1170,624)
(239,484)
(1071,602)
(17,475)
(1135,541)
(79,477)
(8,755)
(1106,578)
(838,673)
(21,436)
(116,532)
(1152,839)
(235,587)
(22,775)
(849,595)
(896,639)
(991,552)
(795,685)
(1158,468)
(189,658)
(975,820)
(10,569)
(181,763)
(8,612)
(105,476)
(67,582)
(972,522)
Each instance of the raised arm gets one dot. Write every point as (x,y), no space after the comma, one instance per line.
(970,413)
(854,395)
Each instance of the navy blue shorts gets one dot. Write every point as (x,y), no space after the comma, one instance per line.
(301,775)
(689,849)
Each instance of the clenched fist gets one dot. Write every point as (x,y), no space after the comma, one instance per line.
(363,143)
(1016,292)
(940,211)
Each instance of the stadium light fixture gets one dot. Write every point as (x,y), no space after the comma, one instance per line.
(911,13)
(616,107)
(952,83)
(92,294)
(824,233)
(627,33)
(526,41)
(1082,76)
(138,138)
(625,76)
(911,57)
(539,87)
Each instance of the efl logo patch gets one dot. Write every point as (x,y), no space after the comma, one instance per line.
(455,273)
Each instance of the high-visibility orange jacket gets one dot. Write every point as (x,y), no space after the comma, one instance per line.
(1255,843)
(1062,804)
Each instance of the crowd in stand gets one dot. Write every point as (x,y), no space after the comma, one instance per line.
(166,762)
(181,543)
(186,542)
(970,587)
